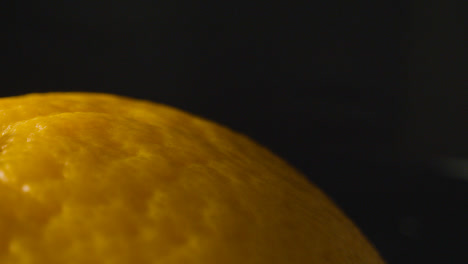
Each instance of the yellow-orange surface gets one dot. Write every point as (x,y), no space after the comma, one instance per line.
(94,178)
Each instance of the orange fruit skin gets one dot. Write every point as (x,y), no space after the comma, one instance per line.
(99,178)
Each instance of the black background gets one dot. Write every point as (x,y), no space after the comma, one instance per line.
(324,85)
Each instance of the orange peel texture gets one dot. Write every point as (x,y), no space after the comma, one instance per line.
(99,178)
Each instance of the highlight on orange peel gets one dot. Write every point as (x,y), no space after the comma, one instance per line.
(99,178)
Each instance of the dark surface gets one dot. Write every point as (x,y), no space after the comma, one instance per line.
(322,85)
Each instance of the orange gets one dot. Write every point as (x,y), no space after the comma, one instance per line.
(97,178)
